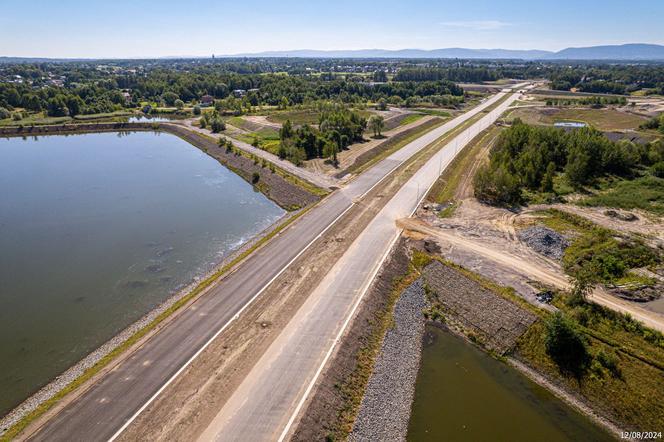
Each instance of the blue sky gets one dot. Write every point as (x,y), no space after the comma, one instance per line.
(142,28)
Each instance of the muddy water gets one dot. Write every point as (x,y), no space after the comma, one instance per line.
(95,231)
(462,394)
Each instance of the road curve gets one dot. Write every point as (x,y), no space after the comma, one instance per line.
(108,406)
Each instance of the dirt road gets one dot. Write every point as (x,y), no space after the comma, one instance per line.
(530,266)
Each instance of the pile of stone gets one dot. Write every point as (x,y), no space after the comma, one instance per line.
(544,241)
(385,409)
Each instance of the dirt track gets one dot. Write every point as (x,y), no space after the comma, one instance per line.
(483,239)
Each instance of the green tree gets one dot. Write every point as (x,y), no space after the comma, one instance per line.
(578,166)
(197,110)
(547,180)
(657,169)
(286,131)
(380,76)
(217,125)
(169,98)
(179,103)
(330,150)
(4,113)
(57,107)
(32,103)
(497,187)
(566,345)
(377,123)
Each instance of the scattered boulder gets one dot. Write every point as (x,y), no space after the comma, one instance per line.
(545,297)
(545,241)
(623,216)
(431,246)
(638,294)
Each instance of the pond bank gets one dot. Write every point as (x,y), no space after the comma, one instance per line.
(63,388)
(464,394)
(385,407)
(287,195)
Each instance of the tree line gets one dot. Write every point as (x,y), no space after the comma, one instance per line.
(530,157)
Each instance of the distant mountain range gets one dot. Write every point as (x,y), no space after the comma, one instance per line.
(626,52)
(615,52)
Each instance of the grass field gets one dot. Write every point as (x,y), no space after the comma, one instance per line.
(297,116)
(434,112)
(268,139)
(410,118)
(645,193)
(601,119)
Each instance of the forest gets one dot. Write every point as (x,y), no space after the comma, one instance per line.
(530,158)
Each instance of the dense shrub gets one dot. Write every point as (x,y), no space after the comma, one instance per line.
(606,257)
(566,345)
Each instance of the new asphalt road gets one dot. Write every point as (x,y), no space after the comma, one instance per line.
(111,404)
(267,403)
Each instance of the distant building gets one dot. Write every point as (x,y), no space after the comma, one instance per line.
(207,100)
(127,97)
(239,93)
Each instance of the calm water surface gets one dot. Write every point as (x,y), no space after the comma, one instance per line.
(96,230)
(463,394)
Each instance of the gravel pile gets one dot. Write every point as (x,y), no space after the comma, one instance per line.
(385,409)
(544,241)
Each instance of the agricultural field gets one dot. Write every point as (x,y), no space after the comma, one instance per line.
(601,119)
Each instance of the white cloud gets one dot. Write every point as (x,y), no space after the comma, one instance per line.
(477,25)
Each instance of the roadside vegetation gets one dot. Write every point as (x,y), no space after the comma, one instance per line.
(445,190)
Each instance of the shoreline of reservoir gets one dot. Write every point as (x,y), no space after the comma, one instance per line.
(79,369)
(274,184)
(296,200)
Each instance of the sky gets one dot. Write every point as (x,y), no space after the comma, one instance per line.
(143,28)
